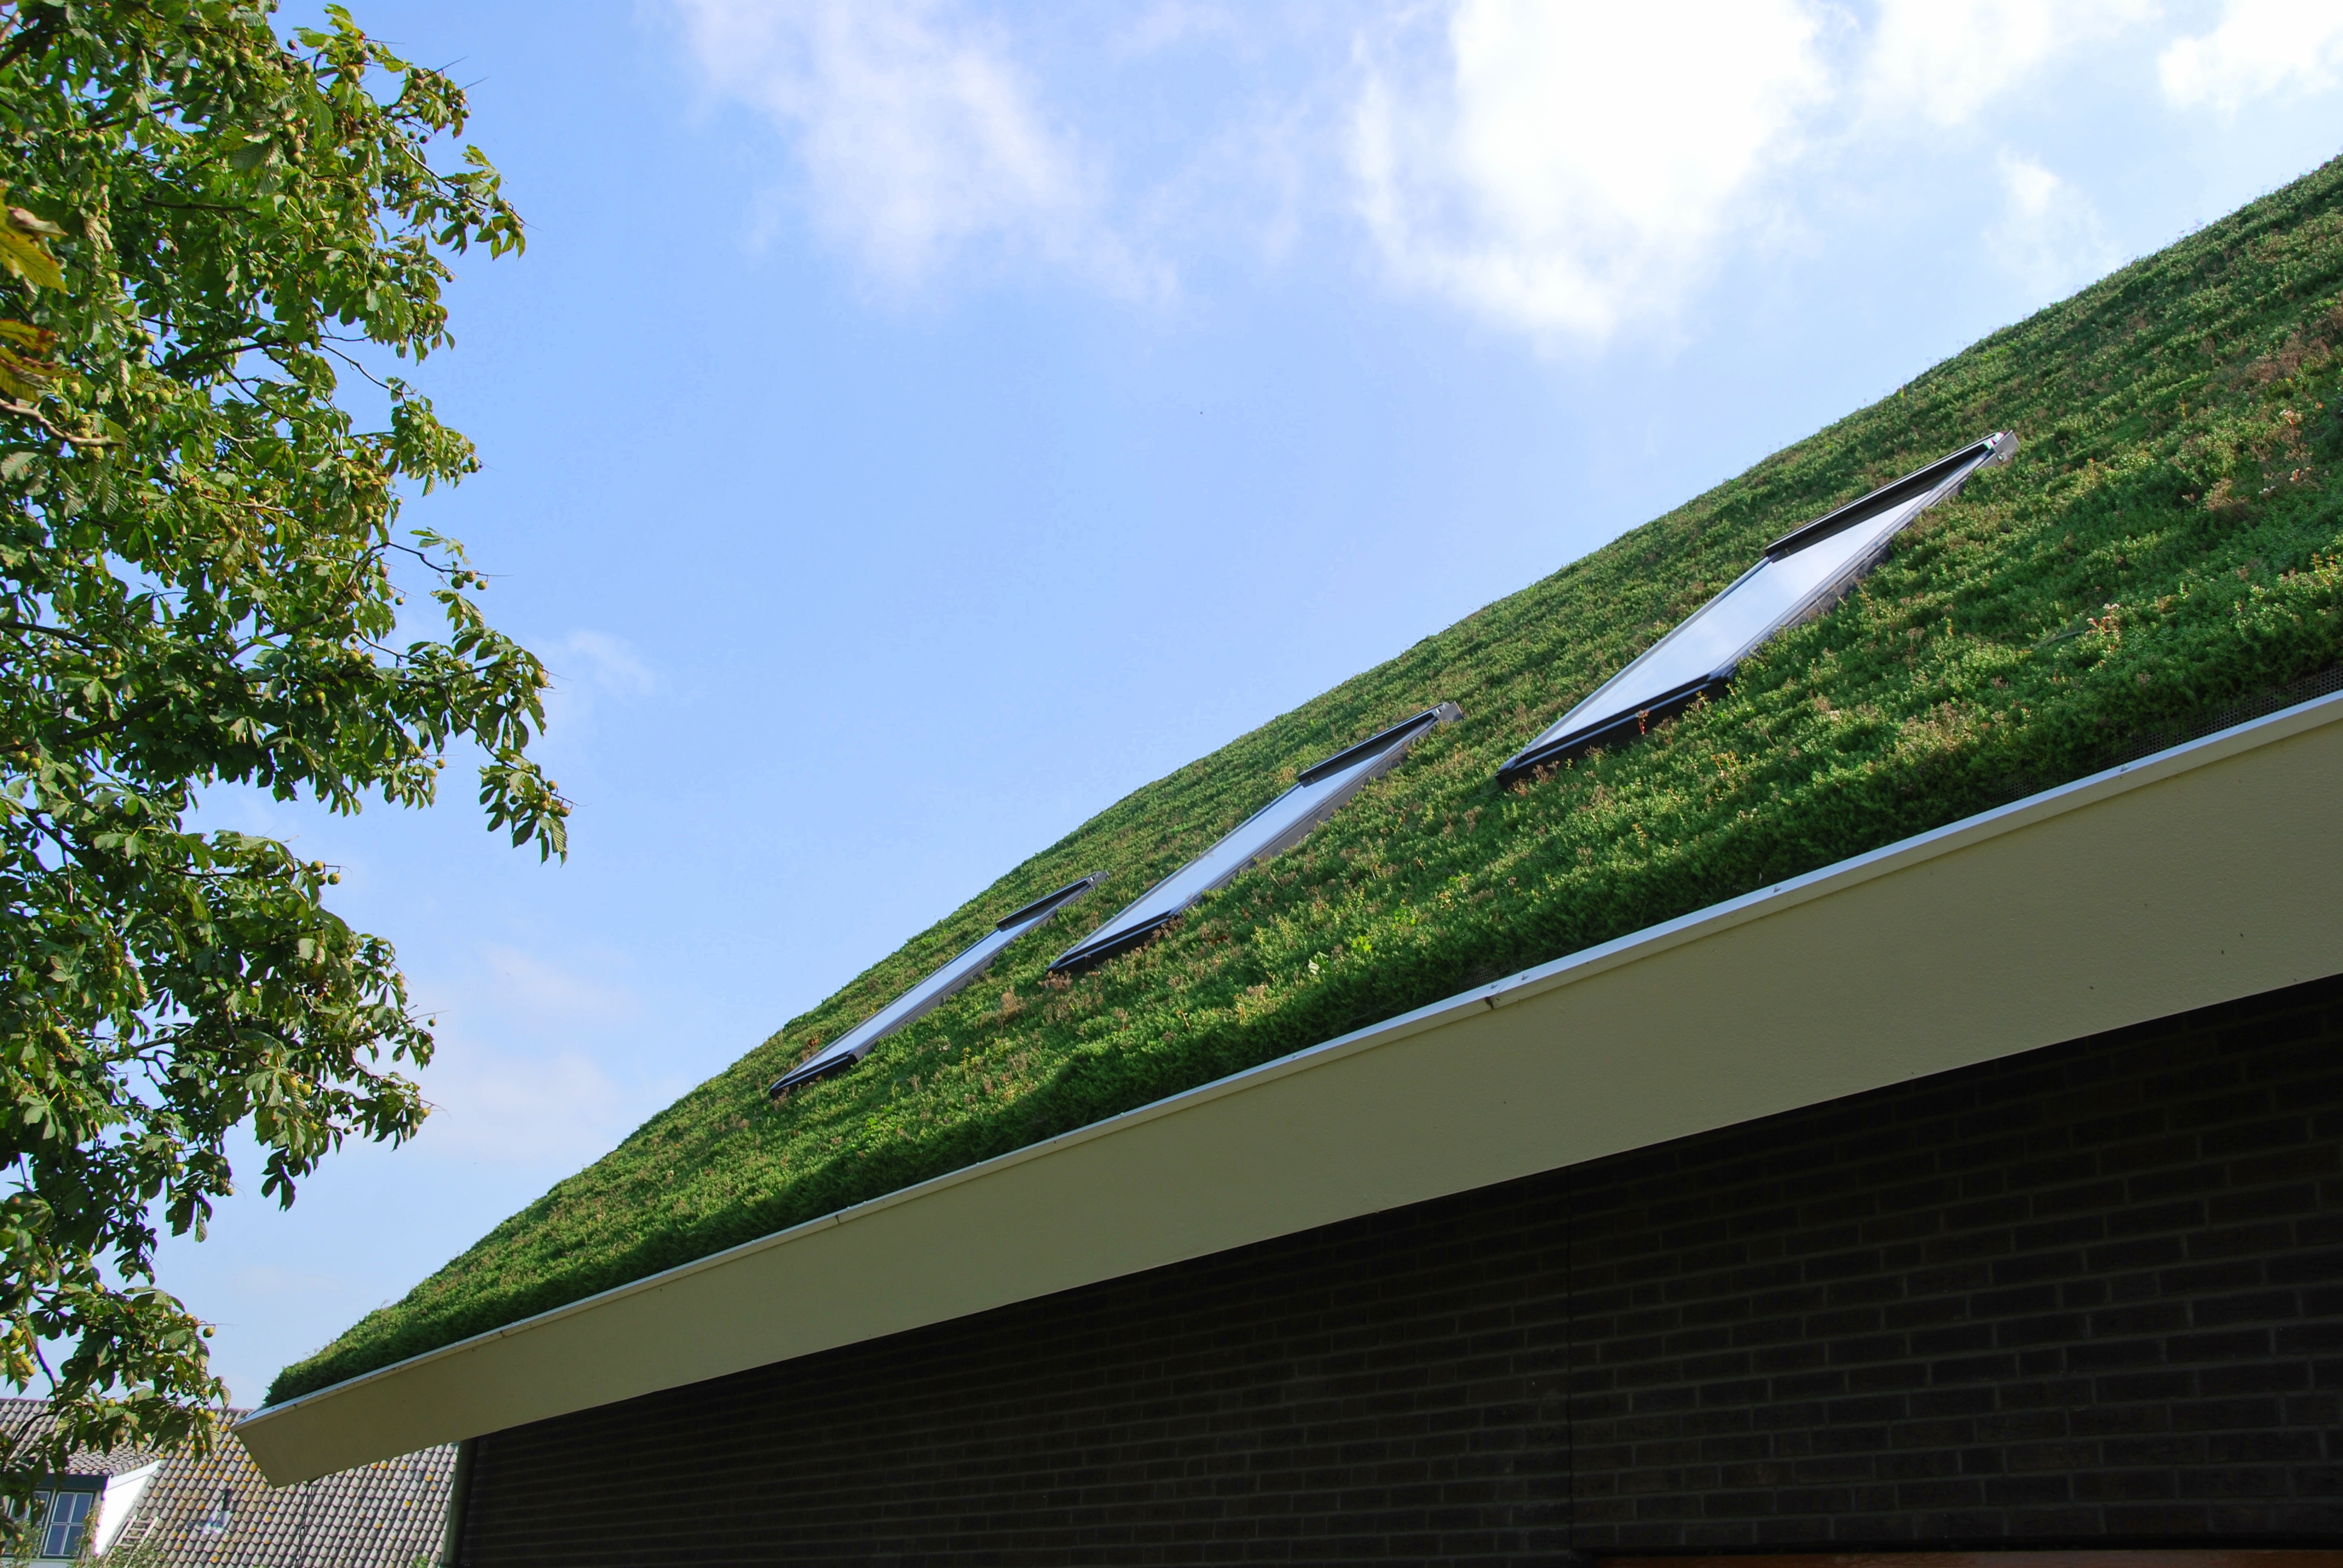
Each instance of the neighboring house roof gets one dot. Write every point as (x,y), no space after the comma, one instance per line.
(22,1418)
(219,1511)
(2203,873)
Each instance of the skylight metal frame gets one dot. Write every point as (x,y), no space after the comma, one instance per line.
(1641,694)
(939,987)
(1319,791)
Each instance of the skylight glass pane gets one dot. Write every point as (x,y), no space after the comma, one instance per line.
(932,993)
(1267,833)
(1803,573)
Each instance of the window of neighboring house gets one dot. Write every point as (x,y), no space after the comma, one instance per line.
(66,1517)
(221,1515)
(60,1515)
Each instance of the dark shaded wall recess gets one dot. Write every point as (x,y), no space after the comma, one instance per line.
(2088,1296)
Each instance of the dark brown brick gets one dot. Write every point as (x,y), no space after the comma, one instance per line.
(2092,1295)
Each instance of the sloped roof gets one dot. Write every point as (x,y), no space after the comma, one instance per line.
(388,1514)
(2206,872)
(30,1418)
(2169,541)
(220,1511)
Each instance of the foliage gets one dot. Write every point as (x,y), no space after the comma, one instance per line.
(205,224)
(2170,538)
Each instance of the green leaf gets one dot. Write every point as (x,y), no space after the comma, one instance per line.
(196,550)
(24,255)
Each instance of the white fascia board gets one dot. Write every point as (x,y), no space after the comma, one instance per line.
(120,1498)
(2205,873)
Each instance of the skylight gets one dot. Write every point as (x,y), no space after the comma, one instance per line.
(1316,795)
(1802,574)
(932,993)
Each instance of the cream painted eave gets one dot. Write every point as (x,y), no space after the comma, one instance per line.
(2205,873)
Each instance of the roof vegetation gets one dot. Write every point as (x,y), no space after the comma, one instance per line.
(2170,540)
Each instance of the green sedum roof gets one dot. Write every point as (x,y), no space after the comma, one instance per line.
(2169,540)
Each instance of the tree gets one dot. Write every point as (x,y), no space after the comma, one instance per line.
(204,227)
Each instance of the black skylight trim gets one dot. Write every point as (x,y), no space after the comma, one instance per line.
(1319,791)
(1888,495)
(1382,739)
(1626,726)
(1699,655)
(934,988)
(1089,955)
(1046,902)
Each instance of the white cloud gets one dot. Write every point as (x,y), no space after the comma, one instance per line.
(557,1107)
(538,990)
(917,132)
(1570,167)
(604,663)
(1943,61)
(2049,234)
(1167,22)
(1576,164)
(269,1280)
(589,669)
(2260,47)
(1562,168)
(516,1081)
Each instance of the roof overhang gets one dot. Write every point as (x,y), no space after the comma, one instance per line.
(2200,875)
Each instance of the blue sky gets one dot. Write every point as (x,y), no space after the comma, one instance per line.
(914,425)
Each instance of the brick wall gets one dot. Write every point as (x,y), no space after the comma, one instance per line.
(2092,1295)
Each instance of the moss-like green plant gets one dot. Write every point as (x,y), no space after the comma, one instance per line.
(2169,539)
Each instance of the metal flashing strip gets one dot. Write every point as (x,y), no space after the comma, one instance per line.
(1937,480)
(1407,731)
(1801,575)
(1319,791)
(1046,904)
(939,987)
(2200,875)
